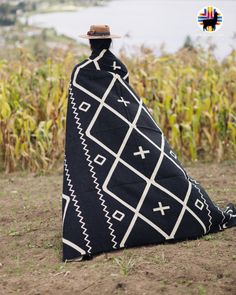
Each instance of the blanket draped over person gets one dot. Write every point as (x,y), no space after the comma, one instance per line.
(123,185)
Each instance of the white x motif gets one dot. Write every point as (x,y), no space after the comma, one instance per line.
(125,102)
(115,66)
(141,152)
(161,208)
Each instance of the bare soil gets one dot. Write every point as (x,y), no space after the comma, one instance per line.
(30,241)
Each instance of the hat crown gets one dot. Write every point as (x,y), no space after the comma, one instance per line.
(100,29)
(99,32)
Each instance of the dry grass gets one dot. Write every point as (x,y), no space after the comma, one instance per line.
(190,94)
(30,257)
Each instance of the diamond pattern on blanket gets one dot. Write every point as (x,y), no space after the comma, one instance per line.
(123,184)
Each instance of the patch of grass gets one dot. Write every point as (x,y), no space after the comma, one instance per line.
(27,227)
(227,274)
(18,267)
(208,237)
(2,194)
(185,281)
(188,244)
(31,252)
(163,286)
(14,233)
(54,243)
(41,173)
(126,263)
(13,270)
(57,246)
(59,267)
(201,290)
(160,258)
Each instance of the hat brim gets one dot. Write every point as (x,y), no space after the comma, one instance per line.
(99,37)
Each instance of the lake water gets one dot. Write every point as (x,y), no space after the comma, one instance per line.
(149,22)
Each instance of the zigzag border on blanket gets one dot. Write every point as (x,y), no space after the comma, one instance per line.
(192,180)
(207,207)
(85,148)
(79,215)
(222,213)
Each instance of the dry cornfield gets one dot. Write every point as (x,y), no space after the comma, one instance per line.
(190,94)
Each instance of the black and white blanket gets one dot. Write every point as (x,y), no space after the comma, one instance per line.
(123,185)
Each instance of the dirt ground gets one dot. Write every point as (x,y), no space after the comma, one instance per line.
(30,244)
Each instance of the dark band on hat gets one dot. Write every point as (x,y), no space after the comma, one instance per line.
(93,33)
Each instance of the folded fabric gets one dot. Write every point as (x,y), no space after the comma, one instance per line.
(123,185)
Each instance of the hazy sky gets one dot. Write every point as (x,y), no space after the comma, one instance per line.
(149,22)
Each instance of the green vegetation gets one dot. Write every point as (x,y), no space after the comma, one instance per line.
(7,14)
(126,263)
(193,98)
(15,30)
(191,95)
(10,10)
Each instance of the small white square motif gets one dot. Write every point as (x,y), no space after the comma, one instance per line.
(173,154)
(84,106)
(199,204)
(118,215)
(99,160)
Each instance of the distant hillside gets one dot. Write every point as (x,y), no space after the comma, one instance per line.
(11,9)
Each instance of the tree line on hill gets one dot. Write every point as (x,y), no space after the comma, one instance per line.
(10,10)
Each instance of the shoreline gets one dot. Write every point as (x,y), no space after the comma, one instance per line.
(22,30)
(60,7)
(52,9)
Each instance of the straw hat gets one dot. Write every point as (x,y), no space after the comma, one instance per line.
(99,32)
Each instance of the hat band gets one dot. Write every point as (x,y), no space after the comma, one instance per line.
(94,33)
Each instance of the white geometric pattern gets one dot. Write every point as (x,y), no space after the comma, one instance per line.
(207,206)
(100,160)
(141,152)
(173,154)
(117,159)
(115,66)
(125,102)
(161,208)
(67,198)
(199,204)
(84,106)
(79,215)
(101,197)
(118,215)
